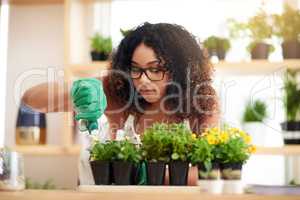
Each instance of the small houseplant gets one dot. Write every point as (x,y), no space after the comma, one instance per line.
(101,47)
(232,148)
(259,29)
(100,158)
(156,150)
(254,114)
(287,27)
(291,99)
(180,144)
(217,45)
(125,32)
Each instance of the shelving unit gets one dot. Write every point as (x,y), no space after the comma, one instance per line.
(48,150)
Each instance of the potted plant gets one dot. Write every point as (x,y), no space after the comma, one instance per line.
(291,99)
(208,170)
(125,32)
(100,158)
(232,148)
(180,147)
(254,114)
(101,47)
(126,156)
(156,150)
(287,27)
(217,46)
(259,29)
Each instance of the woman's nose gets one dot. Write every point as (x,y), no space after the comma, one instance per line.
(144,78)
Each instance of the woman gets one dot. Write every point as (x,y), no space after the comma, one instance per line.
(158,73)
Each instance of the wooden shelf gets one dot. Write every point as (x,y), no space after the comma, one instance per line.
(285,150)
(256,66)
(132,194)
(35,2)
(85,70)
(48,150)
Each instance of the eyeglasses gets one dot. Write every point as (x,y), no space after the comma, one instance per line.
(152,73)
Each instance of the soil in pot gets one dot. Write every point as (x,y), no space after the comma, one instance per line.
(101,172)
(260,51)
(156,173)
(178,172)
(290,49)
(213,174)
(122,172)
(96,56)
(231,171)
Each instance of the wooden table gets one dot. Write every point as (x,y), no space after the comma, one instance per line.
(131,193)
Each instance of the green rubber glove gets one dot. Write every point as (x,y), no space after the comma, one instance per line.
(142,174)
(89,101)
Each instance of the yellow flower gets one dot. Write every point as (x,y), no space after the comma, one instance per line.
(252,149)
(194,135)
(211,139)
(224,137)
(247,139)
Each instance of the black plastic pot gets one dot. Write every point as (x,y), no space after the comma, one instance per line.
(178,172)
(122,172)
(291,132)
(231,171)
(214,173)
(260,51)
(96,56)
(290,49)
(101,172)
(156,173)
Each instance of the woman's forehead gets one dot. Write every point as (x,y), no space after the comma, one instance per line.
(144,55)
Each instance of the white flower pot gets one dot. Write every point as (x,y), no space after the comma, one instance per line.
(257,131)
(233,187)
(211,186)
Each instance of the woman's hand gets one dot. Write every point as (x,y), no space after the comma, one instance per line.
(89,101)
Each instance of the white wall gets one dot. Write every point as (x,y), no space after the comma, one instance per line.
(36,38)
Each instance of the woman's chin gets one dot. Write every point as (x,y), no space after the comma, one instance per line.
(151,98)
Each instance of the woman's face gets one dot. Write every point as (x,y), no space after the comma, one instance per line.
(144,58)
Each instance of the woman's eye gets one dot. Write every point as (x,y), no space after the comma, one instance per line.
(154,70)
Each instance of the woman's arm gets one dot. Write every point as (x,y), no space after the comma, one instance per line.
(49,97)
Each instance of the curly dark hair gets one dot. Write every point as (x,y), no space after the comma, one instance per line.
(188,64)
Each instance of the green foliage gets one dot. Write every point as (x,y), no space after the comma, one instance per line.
(175,141)
(201,152)
(258,27)
(291,96)
(125,32)
(115,150)
(47,185)
(287,25)
(101,44)
(156,143)
(255,111)
(214,43)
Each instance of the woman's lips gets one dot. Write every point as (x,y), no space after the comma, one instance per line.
(147,91)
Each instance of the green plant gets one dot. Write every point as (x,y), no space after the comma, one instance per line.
(230,145)
(287,25)
(258,28)
(156,143)
(125,32)
(213,43)
(181,141)
(255,111)
(291,96)
(103,151)
(101,44)
(125,151)
(201,152)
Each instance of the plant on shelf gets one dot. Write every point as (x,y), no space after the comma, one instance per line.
(217,45)
(259,29)
(254,114)
(287,27)
(101,47)
(232,148)
(291,99)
